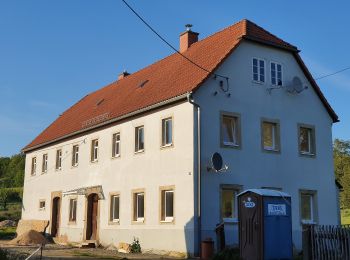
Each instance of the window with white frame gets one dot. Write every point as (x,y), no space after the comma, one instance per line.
(33,169)
(270,136)
(139,206)
(258,70)
(230,130)
(41,204)
(307,140)
(276,74)
(94,150)
(229,203)
(59,159)
(308,207)
(72,210)
(116,145)
(114,208)
(139,139)
(44,163)
(167,205)
(167,131)
(75,155)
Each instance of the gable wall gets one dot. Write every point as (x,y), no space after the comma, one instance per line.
(251,167)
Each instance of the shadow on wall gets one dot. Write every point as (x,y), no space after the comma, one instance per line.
(190,237)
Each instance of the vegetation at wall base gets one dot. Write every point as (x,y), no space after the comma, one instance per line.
(135,246)
(227,254)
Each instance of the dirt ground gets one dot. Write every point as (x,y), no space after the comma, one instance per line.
(56,252)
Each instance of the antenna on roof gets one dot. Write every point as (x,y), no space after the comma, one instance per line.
(188,27)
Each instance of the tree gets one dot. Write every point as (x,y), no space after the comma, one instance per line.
(341,155)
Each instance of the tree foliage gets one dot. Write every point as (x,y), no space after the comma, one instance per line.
(341,154)
(12,171)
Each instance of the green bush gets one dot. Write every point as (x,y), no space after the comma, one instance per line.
(4,255)
(135,246)
(227,254)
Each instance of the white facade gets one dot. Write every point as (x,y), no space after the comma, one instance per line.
(249,165)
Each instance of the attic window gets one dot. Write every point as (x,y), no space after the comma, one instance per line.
(100,102)
(143,83)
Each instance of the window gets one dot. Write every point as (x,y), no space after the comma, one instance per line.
(258,70)
(308,207)
(139,206)
(58,159)
(42,205)
(33,170)
(270,136)
(72,210)
(167,205)
(116,145)
(276,74)
(75,155)
(167,132)
(139,139)
(44,164)
(307,140)
(94,150)
(229,202)
(230,130)
(114,208)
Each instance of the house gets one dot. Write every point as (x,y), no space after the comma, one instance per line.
(133,159)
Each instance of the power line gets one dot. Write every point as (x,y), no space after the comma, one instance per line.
(331,74)
(167,43)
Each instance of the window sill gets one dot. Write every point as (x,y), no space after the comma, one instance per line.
(271,150)
(228,145)
(116,156)
(94,161)
(73,223)
(167,221)
(306,154)
(139,151)
(230,220)
(167,146)
(114,222)
(258,82)
(138,221)
(75,166)
(41,209)
(308,222)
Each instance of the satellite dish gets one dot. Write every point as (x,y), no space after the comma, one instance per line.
(296,86)
(217,163)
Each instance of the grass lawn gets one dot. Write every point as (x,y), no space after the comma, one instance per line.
(345,216)
(13,212)
(7,233)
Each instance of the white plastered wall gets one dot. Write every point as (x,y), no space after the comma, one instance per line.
(149,170)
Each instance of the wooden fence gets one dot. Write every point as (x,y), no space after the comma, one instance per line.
(327,242)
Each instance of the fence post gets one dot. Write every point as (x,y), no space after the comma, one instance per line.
(306,242)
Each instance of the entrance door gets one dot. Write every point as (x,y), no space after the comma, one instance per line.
(56,210)
(91,225)
(251,226)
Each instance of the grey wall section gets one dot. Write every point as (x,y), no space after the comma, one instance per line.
(251,167)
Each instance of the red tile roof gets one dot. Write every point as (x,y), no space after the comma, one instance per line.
(166,79)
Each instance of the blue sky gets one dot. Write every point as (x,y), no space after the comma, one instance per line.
(52,53)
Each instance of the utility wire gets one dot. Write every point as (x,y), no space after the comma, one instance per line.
(331,74)
(167,43)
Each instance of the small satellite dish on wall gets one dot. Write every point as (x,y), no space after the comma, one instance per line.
(217,163)
(296,86)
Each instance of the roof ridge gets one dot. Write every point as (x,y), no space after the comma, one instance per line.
(250,23)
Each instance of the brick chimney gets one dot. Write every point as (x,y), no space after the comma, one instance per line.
(187,38)
(124,74)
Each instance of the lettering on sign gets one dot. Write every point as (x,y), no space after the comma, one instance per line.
(249,203)
(95,120)
(276,209)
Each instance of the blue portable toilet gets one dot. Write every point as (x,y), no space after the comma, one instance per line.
(265,224)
